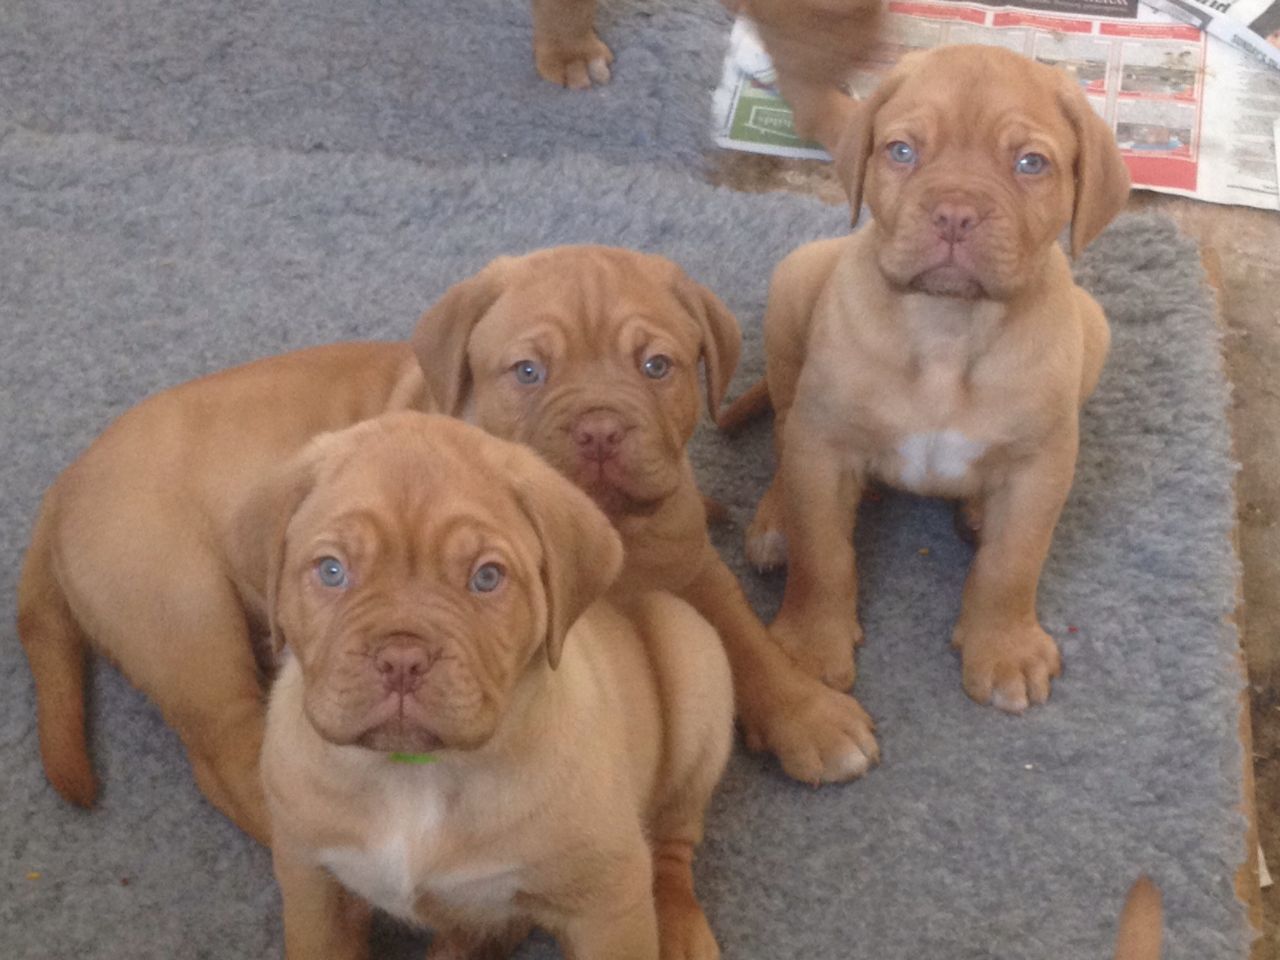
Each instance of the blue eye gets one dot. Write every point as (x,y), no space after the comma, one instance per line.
(1032,163)
(530,372)
(331,572)
(901,152)
(487,578)
(657,366)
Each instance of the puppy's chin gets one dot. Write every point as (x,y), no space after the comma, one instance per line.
(948,280)
(394,724)
(616,493)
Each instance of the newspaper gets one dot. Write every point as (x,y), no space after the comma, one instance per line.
(1193,116)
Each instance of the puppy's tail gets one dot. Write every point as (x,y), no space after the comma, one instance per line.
(56,651)
(753,403)
(1141,923)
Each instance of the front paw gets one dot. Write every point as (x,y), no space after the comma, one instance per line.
(1009,667)
(821,647)
(817,734)
(576,66)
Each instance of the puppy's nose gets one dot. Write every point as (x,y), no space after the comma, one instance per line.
(954,221)
(598,434)
(402,666)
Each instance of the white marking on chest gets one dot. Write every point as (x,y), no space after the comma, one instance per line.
(398,866)
(943,455)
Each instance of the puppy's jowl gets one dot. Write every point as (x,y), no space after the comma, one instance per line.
(438,593)
(943,349)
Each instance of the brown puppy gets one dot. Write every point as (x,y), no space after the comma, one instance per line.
(136,555)
(602,380)
(437,590)
(943,349)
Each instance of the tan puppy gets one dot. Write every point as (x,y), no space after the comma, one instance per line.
(437,590)
(135,553)
(943,349)
(601,378)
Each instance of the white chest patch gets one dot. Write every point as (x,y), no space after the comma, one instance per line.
(403,864)
(943,455)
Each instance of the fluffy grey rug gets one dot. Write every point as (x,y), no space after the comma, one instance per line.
(131,267)
(187,186)
(408,78)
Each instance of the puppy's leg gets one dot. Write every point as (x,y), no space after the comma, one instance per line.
(201,672)
(56,650)
(1008,659)
(619,922)
(818,622)
(322,920)
(566,49)
(818,734)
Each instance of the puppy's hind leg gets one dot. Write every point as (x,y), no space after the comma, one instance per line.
(201,672)
(56,650)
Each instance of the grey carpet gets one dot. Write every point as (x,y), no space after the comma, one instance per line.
(412,78)
(130,267)
(126,266)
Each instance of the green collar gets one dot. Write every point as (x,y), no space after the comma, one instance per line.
(412,757)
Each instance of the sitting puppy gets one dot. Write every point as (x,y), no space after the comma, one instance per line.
(437,591)
(943,349)
(135,552)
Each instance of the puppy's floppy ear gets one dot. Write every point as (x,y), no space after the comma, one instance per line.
(1140,923)
(721,336)
(1102,179)
(581,552)
(441,337)
(259,526)
(856,143)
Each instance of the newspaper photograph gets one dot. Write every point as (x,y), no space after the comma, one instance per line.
(1193,114)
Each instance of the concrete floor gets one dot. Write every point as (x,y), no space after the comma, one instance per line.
(1241,253)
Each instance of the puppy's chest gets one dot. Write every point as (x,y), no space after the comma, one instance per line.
(930,430)
(416,858)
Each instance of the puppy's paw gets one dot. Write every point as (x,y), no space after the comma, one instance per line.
(1010,668)
(766,549)
(575,66)
(766,543)
(817,734)
(822,648)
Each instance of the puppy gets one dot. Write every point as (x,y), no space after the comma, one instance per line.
(611,401)
(813,44)
(943,349)
(437,590)
(135,552)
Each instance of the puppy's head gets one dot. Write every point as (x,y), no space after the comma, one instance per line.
(418,569)
(973,160)
(591,356)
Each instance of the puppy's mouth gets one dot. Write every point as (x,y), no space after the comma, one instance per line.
(948,279)
(611,487)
